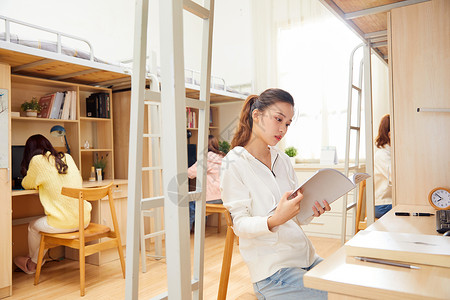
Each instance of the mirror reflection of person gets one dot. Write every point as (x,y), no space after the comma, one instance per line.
(255,177)
(213,165)
(382,169)
(48,171)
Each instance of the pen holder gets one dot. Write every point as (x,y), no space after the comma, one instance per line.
(99,174)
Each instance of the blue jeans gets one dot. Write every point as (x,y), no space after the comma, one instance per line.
(380,210)
(192,211)
(287,283)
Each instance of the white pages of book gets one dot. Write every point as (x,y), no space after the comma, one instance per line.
(326,184)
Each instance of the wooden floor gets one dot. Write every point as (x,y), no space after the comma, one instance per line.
(60,280)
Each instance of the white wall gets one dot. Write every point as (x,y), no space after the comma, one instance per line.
(109,26)
(380,92)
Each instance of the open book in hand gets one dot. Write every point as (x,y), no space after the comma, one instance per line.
(326,184)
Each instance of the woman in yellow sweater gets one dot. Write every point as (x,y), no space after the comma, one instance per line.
(48,171)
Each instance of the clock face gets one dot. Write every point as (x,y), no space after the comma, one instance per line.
(440,198)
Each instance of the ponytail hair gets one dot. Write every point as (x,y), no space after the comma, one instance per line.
(261,103)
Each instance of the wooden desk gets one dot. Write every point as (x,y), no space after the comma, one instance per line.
(347,278)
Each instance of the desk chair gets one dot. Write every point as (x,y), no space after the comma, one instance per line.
(360,206)
(78,239)
(212,209)
(228,251)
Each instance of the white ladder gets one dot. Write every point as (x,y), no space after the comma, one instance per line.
(154,178)
(364,73)
(173,102)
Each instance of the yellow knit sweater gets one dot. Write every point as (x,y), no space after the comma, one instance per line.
(61,211)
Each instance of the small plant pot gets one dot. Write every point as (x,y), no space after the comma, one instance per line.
(31,113)
(292,160)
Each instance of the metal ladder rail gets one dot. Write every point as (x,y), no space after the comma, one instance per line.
(202,149)
(351,87)
(154,180)
(176,195)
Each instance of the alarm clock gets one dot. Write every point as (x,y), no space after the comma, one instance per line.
(439,198)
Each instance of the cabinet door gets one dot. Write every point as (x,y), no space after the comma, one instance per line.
(5,234)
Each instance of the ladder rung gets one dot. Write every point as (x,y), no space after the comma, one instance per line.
(149,213)
(195,195)
(194,103)
(151,168)
(153,234)
(356,88)
(196,9)
(152,202)
(355,127)
(152,135)
(351,205)
(152,96)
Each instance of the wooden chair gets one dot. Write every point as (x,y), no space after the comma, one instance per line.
(228,251)
(78,239)
(212,209)
(360,206)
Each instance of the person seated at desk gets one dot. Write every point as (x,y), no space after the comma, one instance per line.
(214,163)
(48,171)
(382,169)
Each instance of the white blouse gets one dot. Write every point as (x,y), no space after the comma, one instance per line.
(382,176)
(250,190)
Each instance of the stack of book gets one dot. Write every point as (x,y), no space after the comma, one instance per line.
(98,106)
(59,105)
(191,118)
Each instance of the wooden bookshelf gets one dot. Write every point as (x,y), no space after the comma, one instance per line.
(97,131)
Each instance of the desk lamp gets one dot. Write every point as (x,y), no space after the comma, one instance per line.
(59,131)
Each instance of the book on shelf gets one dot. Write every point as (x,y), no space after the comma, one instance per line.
(66,105)
(98,106)
(56,107)
(326,184)
(73,106)
(46,103)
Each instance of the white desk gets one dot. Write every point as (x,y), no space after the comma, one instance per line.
(347,278)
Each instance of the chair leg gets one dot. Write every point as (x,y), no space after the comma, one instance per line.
(40,259)
(219,222)
(82,259)
(122,260)
(226,264)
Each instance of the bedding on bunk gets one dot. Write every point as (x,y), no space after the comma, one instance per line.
(191,77)
(50,46)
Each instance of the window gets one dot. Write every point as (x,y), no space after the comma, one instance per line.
(313,62)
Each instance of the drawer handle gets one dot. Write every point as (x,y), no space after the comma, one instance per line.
(117,191)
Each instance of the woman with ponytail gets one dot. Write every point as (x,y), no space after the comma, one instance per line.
(255,178)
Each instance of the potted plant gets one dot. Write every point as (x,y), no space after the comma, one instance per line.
(100,163)
(31,108)
(224,146)
(291,152)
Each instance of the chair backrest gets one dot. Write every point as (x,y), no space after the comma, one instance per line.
(89,194)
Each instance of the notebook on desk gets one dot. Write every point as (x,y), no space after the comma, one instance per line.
(406,247)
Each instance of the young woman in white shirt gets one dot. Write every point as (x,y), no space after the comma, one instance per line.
(382,169)
(256,177)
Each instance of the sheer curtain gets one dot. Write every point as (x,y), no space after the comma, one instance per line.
(301,47)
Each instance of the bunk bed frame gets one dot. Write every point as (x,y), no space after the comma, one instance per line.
(55,64)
